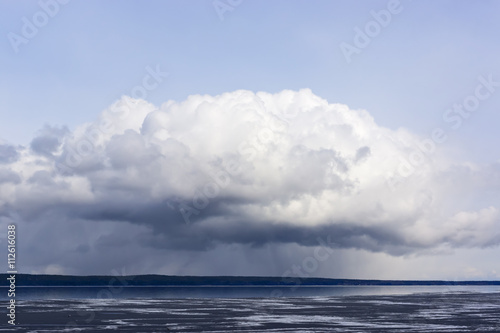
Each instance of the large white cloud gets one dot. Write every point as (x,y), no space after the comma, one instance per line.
(245,168)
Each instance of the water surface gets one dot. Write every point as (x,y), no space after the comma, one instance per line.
(116,291)
(251,309)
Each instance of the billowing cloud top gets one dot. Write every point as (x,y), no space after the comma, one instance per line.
(246,168)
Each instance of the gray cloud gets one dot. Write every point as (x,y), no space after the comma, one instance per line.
(8,176)
(48,140)
(362,154)
(8,154)
(255,171)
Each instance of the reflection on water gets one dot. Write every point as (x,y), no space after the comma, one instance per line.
(117,291)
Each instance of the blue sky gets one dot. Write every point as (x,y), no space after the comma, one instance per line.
(92,52)
(430,56)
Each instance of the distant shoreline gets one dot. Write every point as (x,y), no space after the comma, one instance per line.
(32,280)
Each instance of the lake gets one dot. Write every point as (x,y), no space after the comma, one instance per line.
(251,309)
(30,293)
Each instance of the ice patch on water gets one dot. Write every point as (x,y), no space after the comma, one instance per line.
(290,319)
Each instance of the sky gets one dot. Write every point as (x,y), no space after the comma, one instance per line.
(342,139)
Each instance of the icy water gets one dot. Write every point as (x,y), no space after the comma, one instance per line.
(398,309)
